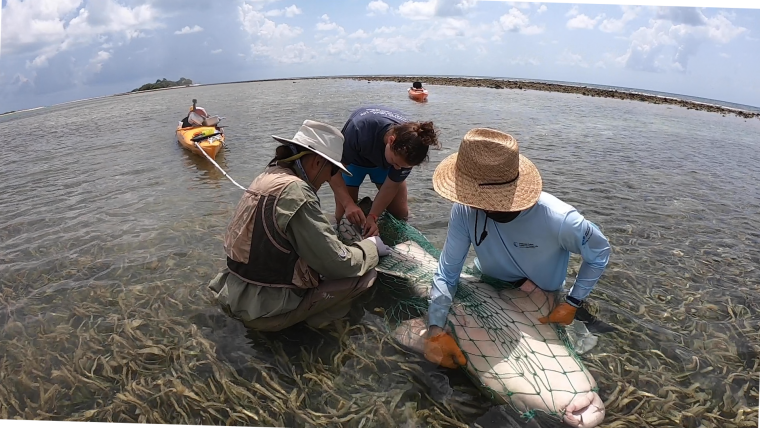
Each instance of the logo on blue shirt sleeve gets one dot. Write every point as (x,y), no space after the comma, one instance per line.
(587,234)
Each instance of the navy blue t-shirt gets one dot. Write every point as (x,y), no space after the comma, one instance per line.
(364,144)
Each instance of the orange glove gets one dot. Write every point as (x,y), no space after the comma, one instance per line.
(443,350)
(563,314)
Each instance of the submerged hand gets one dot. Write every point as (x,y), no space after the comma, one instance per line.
(443,350)
(563,314)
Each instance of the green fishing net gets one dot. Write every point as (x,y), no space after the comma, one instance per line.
(405,277)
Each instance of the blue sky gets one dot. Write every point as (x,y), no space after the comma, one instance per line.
(53,51)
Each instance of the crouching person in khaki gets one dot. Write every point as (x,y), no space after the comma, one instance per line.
(285,263)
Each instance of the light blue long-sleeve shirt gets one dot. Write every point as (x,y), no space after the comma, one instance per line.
(536,245)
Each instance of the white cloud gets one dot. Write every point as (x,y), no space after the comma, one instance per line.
(419,10)
(569,58)
(678,36)
(385,30)
(259,4)
(453,7)
(31,24)
(96,63)
(345,51)
(377,7)
(682,15)
(271,39)
(358,34)
(290,54)
(216,51)
(134,34)
(188,30)
(396,44)
(516,21)
(416,10)
(583,22)
(532,30)
(289,12)
(108,16)
(257,25)
(524,61)
(471,36)
(448,28)
(520,5)
(327,25)
(542,9)
(618,25)
(47,27)
(572,12)
(337,47)
(41,60)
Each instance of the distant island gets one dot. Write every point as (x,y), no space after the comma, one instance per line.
(163,84)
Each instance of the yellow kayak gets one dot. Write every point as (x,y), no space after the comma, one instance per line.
(209,138)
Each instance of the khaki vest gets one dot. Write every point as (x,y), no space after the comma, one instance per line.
(258,252)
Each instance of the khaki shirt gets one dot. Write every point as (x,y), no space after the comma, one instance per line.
(299,214)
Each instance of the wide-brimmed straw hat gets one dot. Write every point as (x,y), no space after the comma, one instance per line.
(321,138)
(488,173)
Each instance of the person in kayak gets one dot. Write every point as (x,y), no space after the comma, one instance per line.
(384,144)
(521,234)
(194,116)
(285,262)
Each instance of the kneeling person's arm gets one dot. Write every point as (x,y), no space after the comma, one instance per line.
(315,240)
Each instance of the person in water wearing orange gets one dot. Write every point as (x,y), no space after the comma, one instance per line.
(384,144)
(520,234)
(417,93)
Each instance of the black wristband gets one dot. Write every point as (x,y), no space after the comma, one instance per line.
(574,302)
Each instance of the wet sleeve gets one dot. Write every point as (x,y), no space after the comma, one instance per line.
(583,237)
(315,240)
(446,277)
(398,175)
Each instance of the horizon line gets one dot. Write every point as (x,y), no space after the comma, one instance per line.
(560,82)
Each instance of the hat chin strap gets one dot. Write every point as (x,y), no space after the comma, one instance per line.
(296,159)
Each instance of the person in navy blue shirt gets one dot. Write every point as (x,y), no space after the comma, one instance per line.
(382,143)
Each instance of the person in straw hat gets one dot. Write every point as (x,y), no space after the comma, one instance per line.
(285,263)
(521,234)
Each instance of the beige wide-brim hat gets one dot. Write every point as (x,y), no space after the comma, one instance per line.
(489,173)
(321,138)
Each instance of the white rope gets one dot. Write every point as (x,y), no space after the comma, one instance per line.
(217,166)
